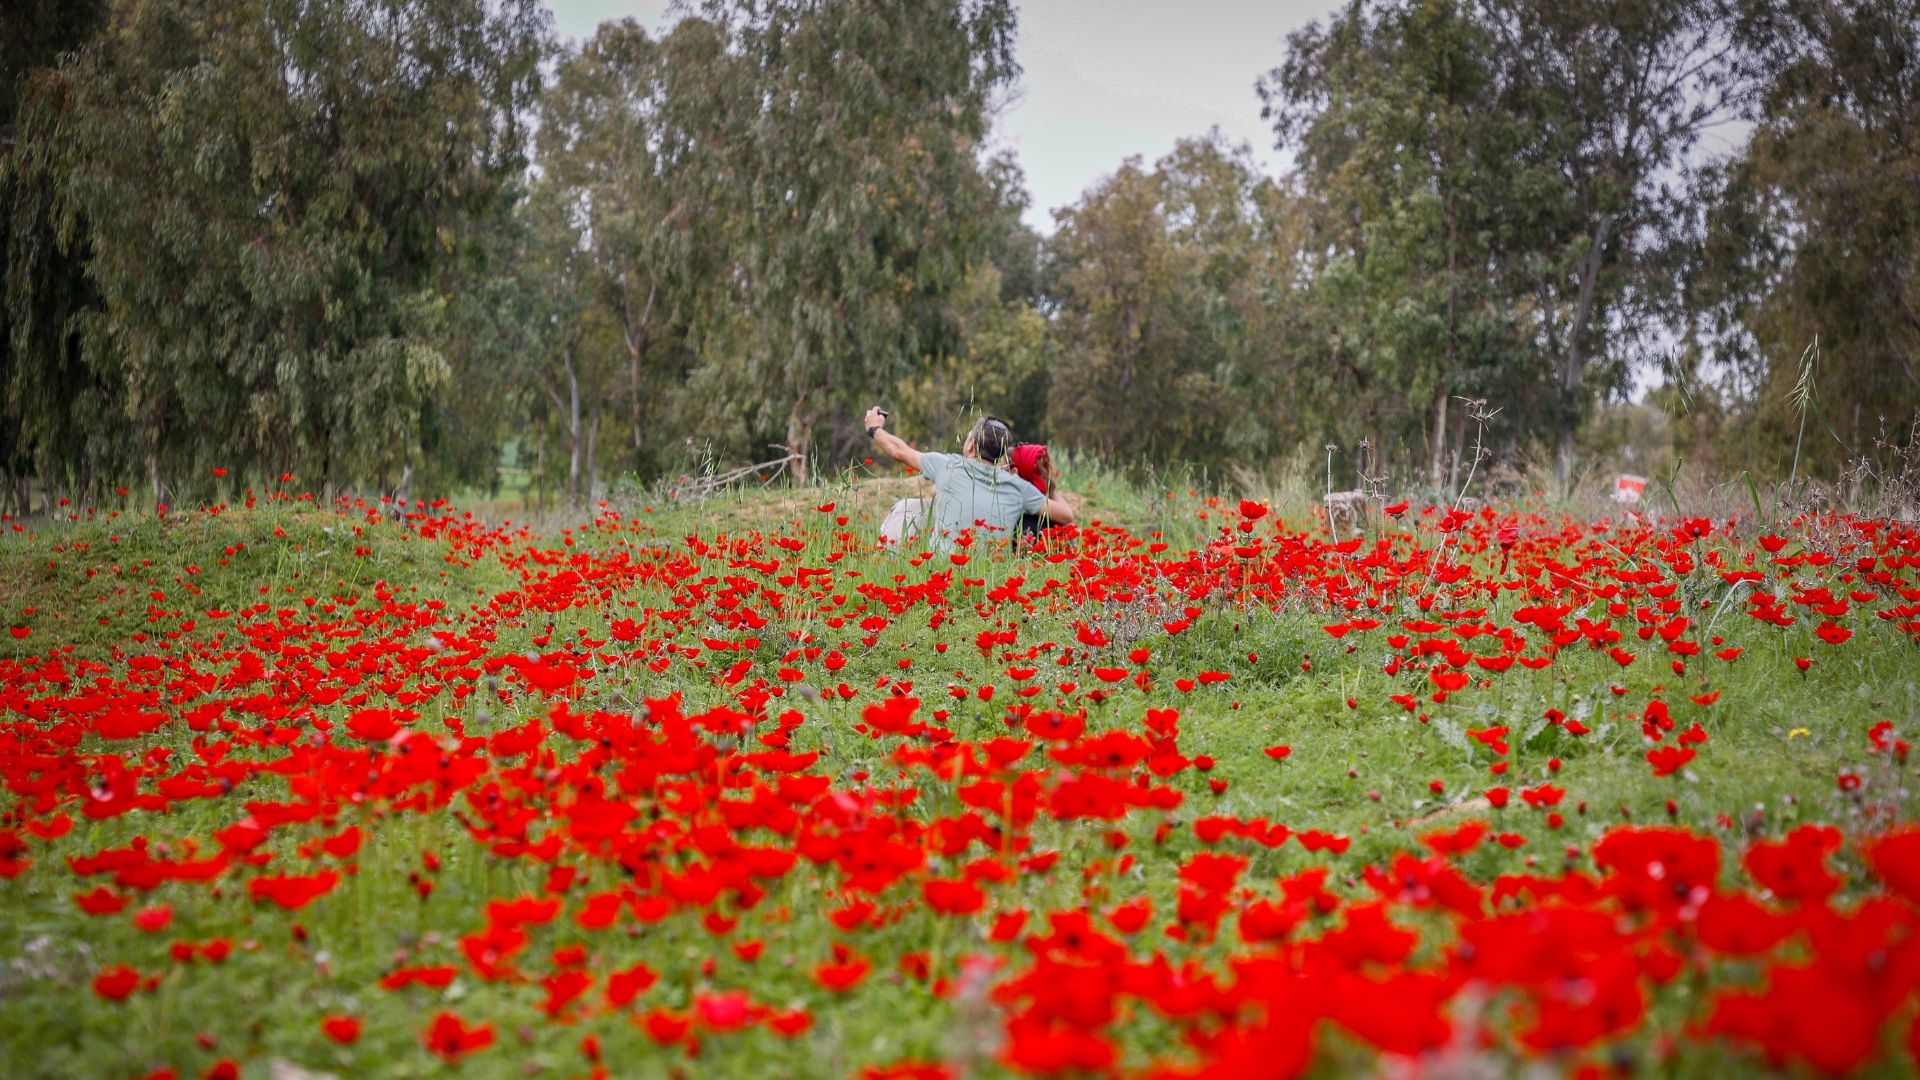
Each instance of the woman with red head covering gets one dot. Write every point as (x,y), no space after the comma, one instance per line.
(1032,463)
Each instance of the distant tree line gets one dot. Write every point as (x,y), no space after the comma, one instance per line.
(376,243)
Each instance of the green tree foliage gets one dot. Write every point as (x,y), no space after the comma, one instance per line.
(51,405)
(499,318)
(1425,219)
(853,189)
(1002,357)
(632,138)
(1162,279)
(1623,92)
(1012,247)
(268,190)
(1492,174)
(307,236)
(1813,232)
(1002,365)
(778,206)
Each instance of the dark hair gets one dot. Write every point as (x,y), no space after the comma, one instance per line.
(991,436)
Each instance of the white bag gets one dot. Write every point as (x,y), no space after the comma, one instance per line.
(904,522)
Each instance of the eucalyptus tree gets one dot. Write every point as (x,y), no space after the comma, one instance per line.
(1422,207)
(1006,350)
(269,188)
(1246,232)
(55,413)
(854,194)
(1123,290)
(633,133)
(1621,93)
(1161,282)
(1813,236)
(1498,177)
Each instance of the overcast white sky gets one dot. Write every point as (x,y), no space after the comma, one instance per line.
(1103,79)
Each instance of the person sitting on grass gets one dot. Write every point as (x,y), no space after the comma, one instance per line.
(971,493)
(1033,462)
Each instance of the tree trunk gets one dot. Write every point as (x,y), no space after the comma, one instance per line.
(1459,451)
(800,438)
(593,442)
(636,333)
(1563,457)
(1573,377)
(1436,466)
(573,433)
(540,472)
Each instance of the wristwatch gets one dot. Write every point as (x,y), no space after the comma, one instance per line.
(873,429)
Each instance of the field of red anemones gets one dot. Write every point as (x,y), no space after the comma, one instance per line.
(384,790)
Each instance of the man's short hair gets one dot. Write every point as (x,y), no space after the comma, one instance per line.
(991,437)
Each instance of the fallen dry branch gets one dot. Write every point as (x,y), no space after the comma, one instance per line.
(695,488)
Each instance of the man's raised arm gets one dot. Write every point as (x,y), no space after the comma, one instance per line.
(888,443)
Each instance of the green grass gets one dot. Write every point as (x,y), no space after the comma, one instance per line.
(95,585)
(1778,739)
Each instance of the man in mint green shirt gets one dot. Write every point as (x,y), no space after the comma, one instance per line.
(970,491)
